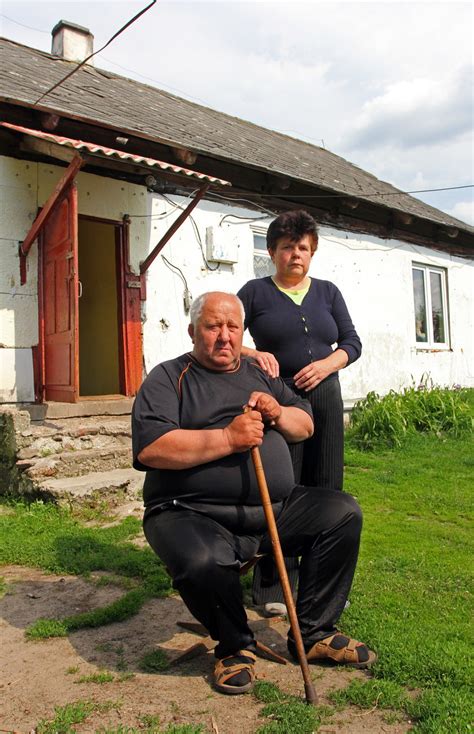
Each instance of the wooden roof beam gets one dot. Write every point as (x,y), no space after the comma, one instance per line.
(174,227)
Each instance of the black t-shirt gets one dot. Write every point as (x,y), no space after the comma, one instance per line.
(181,393)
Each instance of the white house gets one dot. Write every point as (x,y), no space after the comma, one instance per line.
(120,203)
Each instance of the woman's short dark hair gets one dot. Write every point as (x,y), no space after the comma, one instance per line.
(295,225)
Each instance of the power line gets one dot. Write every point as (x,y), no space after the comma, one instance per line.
(129,23)
(196,232)
(259,195)
(230,198)
(347,193)
(30,28)
(124,68)
(157,81)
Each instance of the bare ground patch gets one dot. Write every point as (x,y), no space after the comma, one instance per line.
(38,676)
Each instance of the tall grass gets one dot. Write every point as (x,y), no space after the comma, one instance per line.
(387,421)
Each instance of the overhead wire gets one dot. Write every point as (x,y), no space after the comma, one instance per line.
(245,220)
(165,214)
(345,194)
(260,195)
(94,53)
(196,232)
(30,28)
(400,245)
(247,201)
(157,81)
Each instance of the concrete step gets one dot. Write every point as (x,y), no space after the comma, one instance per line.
(74,434)
(110,405)
(115,487)
(76,463)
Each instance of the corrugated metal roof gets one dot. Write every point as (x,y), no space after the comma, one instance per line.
(112,153)
(101,97)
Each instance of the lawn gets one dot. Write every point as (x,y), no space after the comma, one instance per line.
(412,596)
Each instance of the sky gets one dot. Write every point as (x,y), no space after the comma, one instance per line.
(386,85)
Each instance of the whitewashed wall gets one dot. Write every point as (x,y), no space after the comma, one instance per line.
(374,276)
(25,186)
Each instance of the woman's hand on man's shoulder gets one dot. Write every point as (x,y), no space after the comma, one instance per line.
(265,360)
(268,363)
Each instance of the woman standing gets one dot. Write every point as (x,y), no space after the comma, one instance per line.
(294,321)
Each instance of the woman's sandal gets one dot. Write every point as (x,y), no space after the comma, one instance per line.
(342,650)
(235,673)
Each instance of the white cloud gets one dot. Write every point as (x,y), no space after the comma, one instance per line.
(418,111)
(385,84)
(463,210)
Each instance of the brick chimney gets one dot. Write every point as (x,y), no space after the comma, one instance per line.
(71,42)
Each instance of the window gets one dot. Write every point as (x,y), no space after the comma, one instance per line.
(431,306)
(262,262)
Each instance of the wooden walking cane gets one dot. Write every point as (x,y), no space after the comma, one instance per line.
(309,688)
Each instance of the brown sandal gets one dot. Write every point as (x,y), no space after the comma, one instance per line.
(342,650)
(233,666)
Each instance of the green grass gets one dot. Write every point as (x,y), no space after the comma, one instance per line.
(154,662)
(43,536)
(100,678)
(412,596)
(144,729)
(72,713)
(184,729)
(44,628)
(287,713)
(411,599)
(384,694)
(66,717)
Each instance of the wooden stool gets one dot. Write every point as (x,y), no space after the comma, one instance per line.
(207,643)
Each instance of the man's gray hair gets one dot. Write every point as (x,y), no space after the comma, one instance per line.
(198,305)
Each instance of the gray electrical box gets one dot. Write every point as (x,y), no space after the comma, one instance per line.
(221,245)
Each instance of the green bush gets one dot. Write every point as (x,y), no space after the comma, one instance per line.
(386,421)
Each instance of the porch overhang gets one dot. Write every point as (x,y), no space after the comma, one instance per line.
(79,153)
(49,144)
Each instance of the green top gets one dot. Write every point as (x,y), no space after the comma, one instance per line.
(295,295)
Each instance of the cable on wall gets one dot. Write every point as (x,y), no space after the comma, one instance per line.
(187,296)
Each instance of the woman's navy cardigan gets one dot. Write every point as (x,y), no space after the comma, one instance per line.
(297,335)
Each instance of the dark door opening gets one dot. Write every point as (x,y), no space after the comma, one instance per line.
(90,341)
(99,313)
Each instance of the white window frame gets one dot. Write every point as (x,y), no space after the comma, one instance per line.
(430,344)
(260,232)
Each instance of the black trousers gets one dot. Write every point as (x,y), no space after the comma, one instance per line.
(203,557)
(317,462)
(320,459)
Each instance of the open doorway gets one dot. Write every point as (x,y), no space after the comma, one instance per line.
(89,315)
(99,312)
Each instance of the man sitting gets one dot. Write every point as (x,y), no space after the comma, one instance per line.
(203,515)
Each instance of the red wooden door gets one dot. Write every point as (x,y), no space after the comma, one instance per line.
(60,301)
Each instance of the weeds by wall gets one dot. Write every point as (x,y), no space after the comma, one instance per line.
(387,421)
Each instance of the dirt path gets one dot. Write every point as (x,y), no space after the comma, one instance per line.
(37,676)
